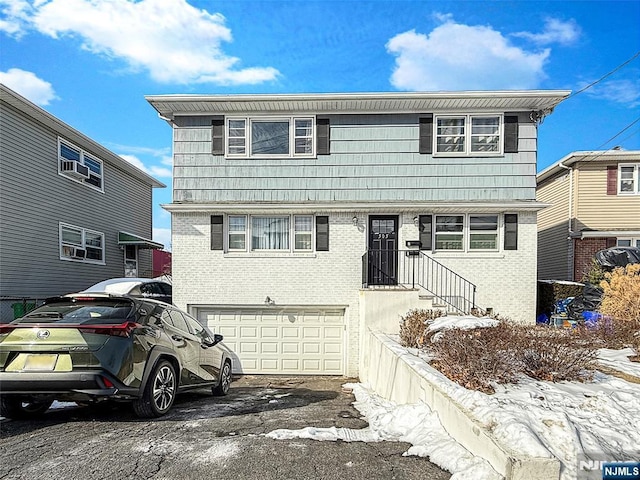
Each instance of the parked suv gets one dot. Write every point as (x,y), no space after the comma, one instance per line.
(93,347)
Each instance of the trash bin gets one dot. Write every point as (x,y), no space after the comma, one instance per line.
(20,309)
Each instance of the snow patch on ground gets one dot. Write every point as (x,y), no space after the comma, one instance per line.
(597,419)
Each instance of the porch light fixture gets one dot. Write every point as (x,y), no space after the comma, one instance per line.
(354,220)
(415,220)
(269,301)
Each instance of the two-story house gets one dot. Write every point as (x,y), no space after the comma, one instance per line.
(594,200)
(298,220)
(72,213)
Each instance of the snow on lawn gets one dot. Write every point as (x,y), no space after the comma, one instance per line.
(567,419)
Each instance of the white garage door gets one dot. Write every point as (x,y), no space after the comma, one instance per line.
(301,341)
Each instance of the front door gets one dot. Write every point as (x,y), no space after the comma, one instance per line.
(383,250)
(130,261)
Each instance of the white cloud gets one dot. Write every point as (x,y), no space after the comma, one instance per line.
(163,236)
(625,92)
(14,13)
(174,41)
(462,57)
(153,170)
(29,85)
(555,31)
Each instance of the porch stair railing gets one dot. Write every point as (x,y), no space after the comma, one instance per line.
(415,269)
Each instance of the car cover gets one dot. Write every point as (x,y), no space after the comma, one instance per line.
(609,258)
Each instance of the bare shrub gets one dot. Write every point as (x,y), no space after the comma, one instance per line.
(413,326)
(479,358)
(622,293)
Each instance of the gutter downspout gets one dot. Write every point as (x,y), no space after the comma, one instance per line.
(571,259)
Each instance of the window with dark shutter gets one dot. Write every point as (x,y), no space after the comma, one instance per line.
(217,136)
(425,225)
(323,136)
(510,134)
(612,180)
(426,134)
(510,231)
(322,234)
(217,234)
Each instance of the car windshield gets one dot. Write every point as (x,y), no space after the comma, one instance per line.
(95,311)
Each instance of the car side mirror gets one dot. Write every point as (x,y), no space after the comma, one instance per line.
(217,338)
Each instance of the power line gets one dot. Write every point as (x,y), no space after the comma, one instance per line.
(604,76)
(620,132)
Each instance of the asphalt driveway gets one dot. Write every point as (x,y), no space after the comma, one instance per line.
(206,437)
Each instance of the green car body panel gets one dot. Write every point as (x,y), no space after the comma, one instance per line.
(80,348)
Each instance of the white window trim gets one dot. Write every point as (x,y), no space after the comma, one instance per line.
(466,233)
(249,120)
(292,235)
(467,135)
(93,157)
(634,241)
(636,178)
(84,231)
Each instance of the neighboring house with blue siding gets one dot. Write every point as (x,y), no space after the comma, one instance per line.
(299,220)
(72,213)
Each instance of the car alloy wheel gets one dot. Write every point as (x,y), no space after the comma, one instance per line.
(159,391)
(225,380)
(17,407)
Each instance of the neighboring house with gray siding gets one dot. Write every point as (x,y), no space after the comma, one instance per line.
(594,199)
(299,220)
(72,213)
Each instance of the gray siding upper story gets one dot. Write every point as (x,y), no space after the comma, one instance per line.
(374,150)
(373,158)
(35,199)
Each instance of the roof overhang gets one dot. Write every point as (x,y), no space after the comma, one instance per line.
(606,233)
(602,156)
(125,238)
(541,102)
(369,207)
(71,134)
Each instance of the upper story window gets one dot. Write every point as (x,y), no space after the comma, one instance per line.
(250,137)
(458,135)
(81,245)
(628,179)
(81,166)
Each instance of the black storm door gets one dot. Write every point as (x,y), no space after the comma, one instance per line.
(383,250)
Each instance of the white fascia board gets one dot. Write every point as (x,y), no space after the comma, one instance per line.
(413,207)
(608,233)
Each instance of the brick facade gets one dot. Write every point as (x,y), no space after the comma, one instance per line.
(584,249)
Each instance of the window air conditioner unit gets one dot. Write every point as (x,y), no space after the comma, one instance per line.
(74,169)
(78,253)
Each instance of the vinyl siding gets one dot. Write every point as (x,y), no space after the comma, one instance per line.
(553,229)
(373,158)
(35,198)
(598,211)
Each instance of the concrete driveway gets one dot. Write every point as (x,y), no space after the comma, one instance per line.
(208,437)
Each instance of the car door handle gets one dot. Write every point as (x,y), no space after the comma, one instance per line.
(177,338)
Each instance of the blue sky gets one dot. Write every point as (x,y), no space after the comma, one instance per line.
(91,62)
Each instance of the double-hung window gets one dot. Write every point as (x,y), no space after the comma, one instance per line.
(483,232)
(470,232)
(260,137)
(80,244)
(628,179)
(270,233)
(79,165)
(468,135)
(449,232)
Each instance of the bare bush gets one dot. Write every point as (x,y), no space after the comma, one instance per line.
(413,326)
(478,359)
(621,298)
